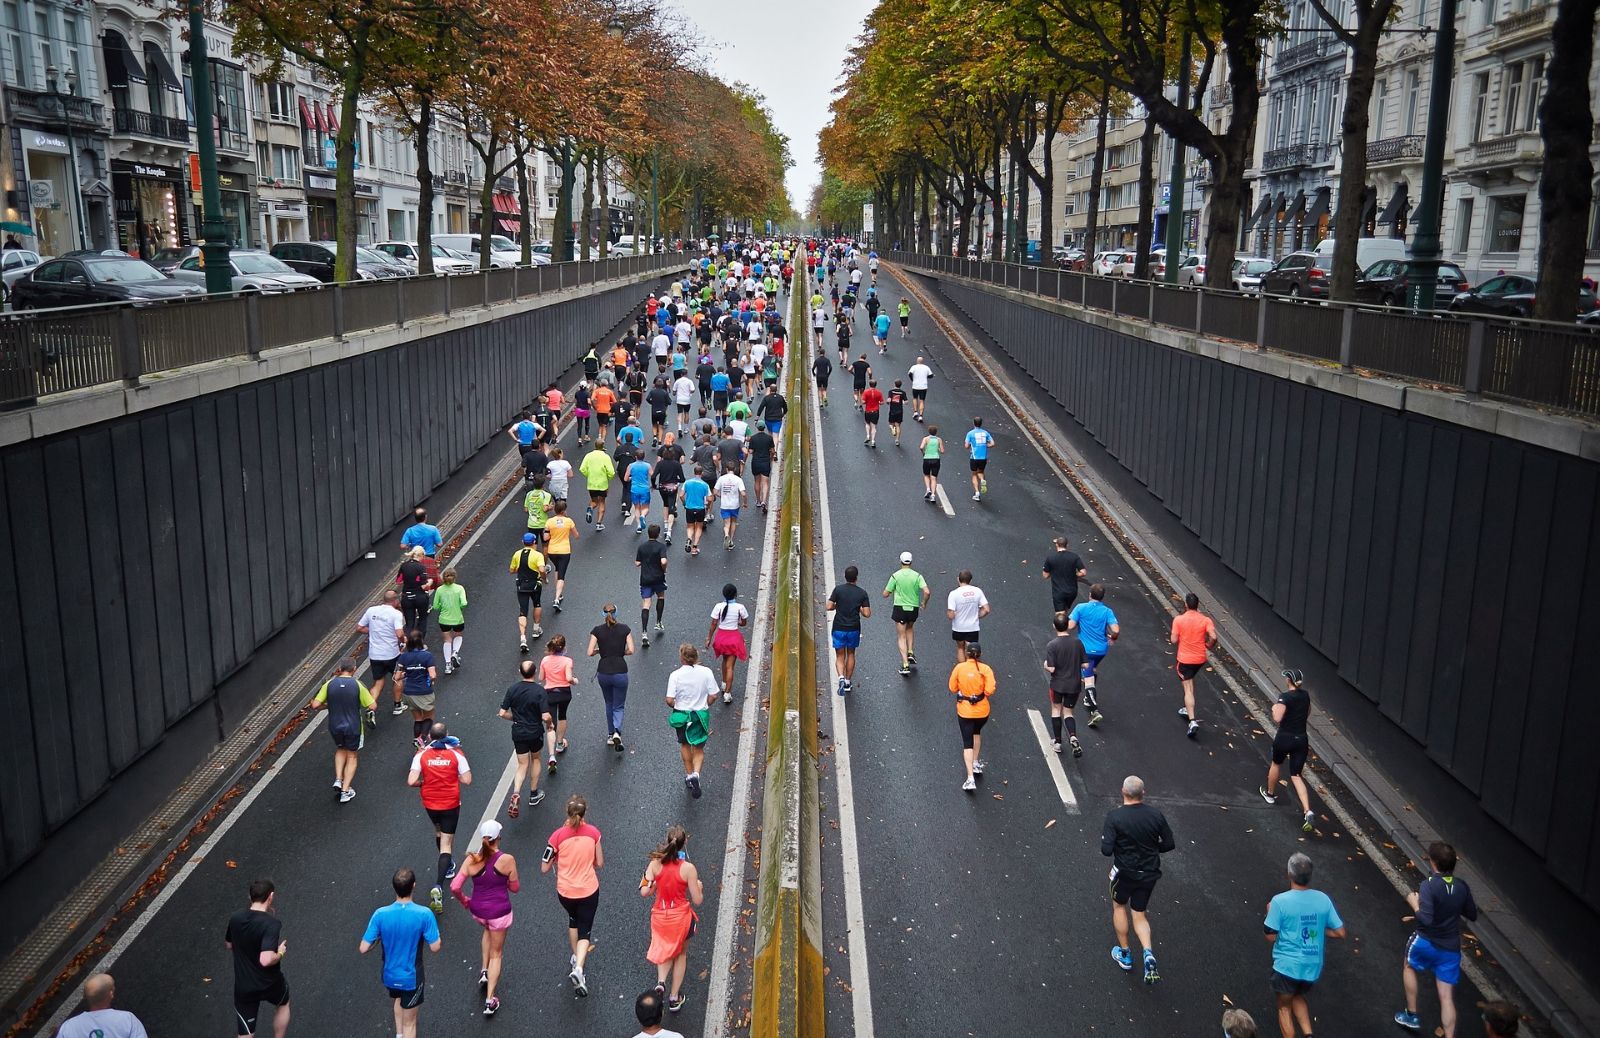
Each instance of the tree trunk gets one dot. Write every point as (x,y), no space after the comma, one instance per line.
(969,203)
(524,232)
(1147,201)
(561,233)
(424,140)
(1023,192)
(1097,175)
(1047,200)
(486,207)
(1353,146)
(1567,184)
(924,242)
(1229,154)
(588,207)
(345,228)
(995,190)
(604,237)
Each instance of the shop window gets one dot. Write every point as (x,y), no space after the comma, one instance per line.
(1505,223)
(155,90)
(1464,226)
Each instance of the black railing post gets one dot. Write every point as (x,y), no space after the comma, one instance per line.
(130,358)
(338,311)
(252,324)
(1477,355)
(1347,333)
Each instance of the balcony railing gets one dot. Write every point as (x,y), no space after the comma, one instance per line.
(1394,149)
(1522,21)
(1294,156)
(1504,150)
(1301,53)
(160,127)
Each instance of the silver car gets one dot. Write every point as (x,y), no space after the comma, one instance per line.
(253,271)
(445,261)
(1247,272)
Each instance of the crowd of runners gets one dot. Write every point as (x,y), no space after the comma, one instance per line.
(681,411)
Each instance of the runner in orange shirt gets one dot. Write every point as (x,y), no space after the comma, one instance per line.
(1193,633)
(972,683)
(603,398)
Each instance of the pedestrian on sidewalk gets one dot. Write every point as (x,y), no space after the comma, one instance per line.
(908,593)
(403,927)
(1440,903)
(675,882)
(349,707)
(98,1019)
(972,683)
(525,707)
(1097,627)
(1193,633)
(1290,743)
(725,637)
(965,607)
(1298,922)
(690,690)
(849,606)
(255,937)
(438,771)
(575,853)
(385,628)
(494,879)
(1134,837)
(1063,661)
(450,602)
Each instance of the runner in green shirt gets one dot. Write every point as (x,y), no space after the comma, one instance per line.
(450,602)
(908,593)
(738,410)
(598,471)
(905,317)
(537,504)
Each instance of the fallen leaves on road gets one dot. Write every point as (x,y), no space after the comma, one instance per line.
(997,796)
(1050,823)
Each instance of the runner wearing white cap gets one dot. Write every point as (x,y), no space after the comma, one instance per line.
(908,593)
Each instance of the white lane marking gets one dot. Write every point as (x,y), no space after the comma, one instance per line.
(497,798)
(1052,760)
(730,897)
(167,892)
(1402,884)
(944,500)
(849,846)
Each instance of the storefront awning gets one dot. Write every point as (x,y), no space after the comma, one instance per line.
(506,203)
(1369,204)
(332,116)
(1296,207)
(1396,206)
(510,228)
(1319,206)
(122,67)
(1262,209)
(160,66)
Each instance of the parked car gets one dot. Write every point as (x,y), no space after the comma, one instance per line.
(408,253)
(1248,271)
(1511,295)
(317,259)
(76,280)
(1386,283)
(1070,259)
(1368,251)
(1299,274)
(1122,266)
(14,263)
(1192,271)
(503,252)
(627,245)
(167,260)
(253,271)
(1104,261)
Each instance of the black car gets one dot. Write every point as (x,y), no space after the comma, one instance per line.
(1386,283)
(317,258)
(1299,274)
(1511,295)
(77,280)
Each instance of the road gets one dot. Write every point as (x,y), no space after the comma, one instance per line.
(332,863)
(987,914)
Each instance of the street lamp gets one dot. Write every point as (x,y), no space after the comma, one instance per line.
(213,229)
(1424,271)
(50,74)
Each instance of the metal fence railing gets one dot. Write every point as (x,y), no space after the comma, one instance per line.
(43,352)
(1530,362)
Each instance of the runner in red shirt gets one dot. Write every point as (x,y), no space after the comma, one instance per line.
(440,769)
(1193,633)
(871,401)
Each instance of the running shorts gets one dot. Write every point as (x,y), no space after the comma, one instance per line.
(247,1004)
(452,628)
(638,498)
(1062,603)
(1425,957)
(560,560)
(730,513)
(871,417)
(653,590)
(963,636)
(971,727)
(930,466)
(847,639)
(1291,748)
(1187,671)
(897,415)
(919,394)
(1068,699)
(694,515)
(757,468)
(978,464)
(902,615)
(669,501)
(528,601)
(1135,893)
(1282,985)
(423,704)
(1090,662)
(381,668)
(445,821)
(348,740)
(596,496)
(533,745)
(408,999)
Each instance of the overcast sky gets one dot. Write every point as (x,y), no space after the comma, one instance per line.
(791,52)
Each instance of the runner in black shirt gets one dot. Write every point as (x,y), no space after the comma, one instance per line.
(1291,713)
(660,402)
(897,409)
(1063,568)
(651,558)
(667,477)
(255,937)
(763,450)
(1134,838)
(860,371)
(822,370)
(525,707)
(849,605)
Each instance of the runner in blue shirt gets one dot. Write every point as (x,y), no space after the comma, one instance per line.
(880,332)
(639,490)
(979,440)
(525,431)
(721,384)
(1298,923)
(630,434)
(1097,628)
(403,928)
(423,533)
(696,494)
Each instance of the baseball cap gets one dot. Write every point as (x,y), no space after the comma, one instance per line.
(905,558)
(528,538)
(1296,676)
(490,830)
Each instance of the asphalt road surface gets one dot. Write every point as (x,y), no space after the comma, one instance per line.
(987,913)
(332,863)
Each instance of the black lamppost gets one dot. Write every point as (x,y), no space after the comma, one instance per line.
(1424,270)
(213,228)
(64,101)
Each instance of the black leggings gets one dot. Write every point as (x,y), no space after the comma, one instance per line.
(415,611)
(580,913)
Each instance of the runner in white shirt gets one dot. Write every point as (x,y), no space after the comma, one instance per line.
(730,493)
(749,288)
(725,637)
(684,391)
(738,428)
(684,330)
(920,373)
(385,628)
(560,474)
(819,322)
(661,345)
(965,607)
(690,690)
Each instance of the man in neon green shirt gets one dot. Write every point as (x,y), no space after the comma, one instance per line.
(349,705)
(537,503)
(450,602)
(738,410)
(598,471)
(908,593)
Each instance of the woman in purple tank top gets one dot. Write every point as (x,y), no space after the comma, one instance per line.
(494,879)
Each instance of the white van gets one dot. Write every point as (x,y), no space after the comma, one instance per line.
(1368,251)
(503,252)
